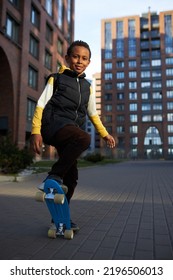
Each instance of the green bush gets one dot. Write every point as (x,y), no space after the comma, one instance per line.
(95,157)
(12,159)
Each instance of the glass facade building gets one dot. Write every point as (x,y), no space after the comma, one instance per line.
(137,76)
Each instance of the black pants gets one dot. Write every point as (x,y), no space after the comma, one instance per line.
(70,141)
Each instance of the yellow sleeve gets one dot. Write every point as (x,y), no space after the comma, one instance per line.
(36,121)
(42,101)
(98,125)
(94,117)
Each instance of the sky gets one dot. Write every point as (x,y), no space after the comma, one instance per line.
(89,13)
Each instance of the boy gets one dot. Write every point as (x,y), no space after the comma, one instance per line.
(62,122)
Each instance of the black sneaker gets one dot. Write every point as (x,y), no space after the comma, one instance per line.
(74,226)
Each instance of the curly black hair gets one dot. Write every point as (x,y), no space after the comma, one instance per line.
(78,43)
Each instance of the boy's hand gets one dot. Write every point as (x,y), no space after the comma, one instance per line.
(111,142)
(36,143)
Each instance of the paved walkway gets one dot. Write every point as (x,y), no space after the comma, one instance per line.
(125,211)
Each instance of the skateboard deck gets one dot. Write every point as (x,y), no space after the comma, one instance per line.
(58,207)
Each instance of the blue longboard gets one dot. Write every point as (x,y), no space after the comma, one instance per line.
(59,211)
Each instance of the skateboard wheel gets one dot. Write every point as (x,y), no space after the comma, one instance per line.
(65,189)
(59,198)
(52,233)
(68,234)
(39,196)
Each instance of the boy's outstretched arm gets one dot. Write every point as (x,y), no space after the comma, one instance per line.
(111,141)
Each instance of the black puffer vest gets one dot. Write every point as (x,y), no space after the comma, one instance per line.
(68,105)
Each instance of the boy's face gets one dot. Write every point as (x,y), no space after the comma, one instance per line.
(79,59)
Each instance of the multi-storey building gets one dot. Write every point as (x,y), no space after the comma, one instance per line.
(34,36)
(137,83)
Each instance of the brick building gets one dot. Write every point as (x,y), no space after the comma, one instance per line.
(137,83)
(34,36)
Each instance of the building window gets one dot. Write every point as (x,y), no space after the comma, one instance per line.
(133,118)
(35,17)
(32,77)
(119,39)
(157,95)
(120,129)
(120,86)
(145,95)
(12,29)
(168,34)
(155,53)
(169,72)
(152,136)
(120,107)
(169,94)
(157,118)
(120,64)
(134,140)
(146,107)
(170,105)
(132,74)
(60,47)
(131,38)
(157,106)
(155,43)
(145,85)
(108,76)
(156,62)
(120,48)
(170,140)
(108,119)
(120,75)
(30,109)
(145,63)
(108,41)
(133,129)
(108,65)
(146,118)
(132,63)
(145,54)
(108,96)
(34,46)
(170,117)
(133,107)
(132,95)
(120,118)
(69,17)
(157,84)
(120,96)
(108,86)
(108,108)
(145,74)
(169,60)
(60,13)
(169,83)
(156,73)
(132,85)
(170,128)
(49,33)
(48,60)
(48,7)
